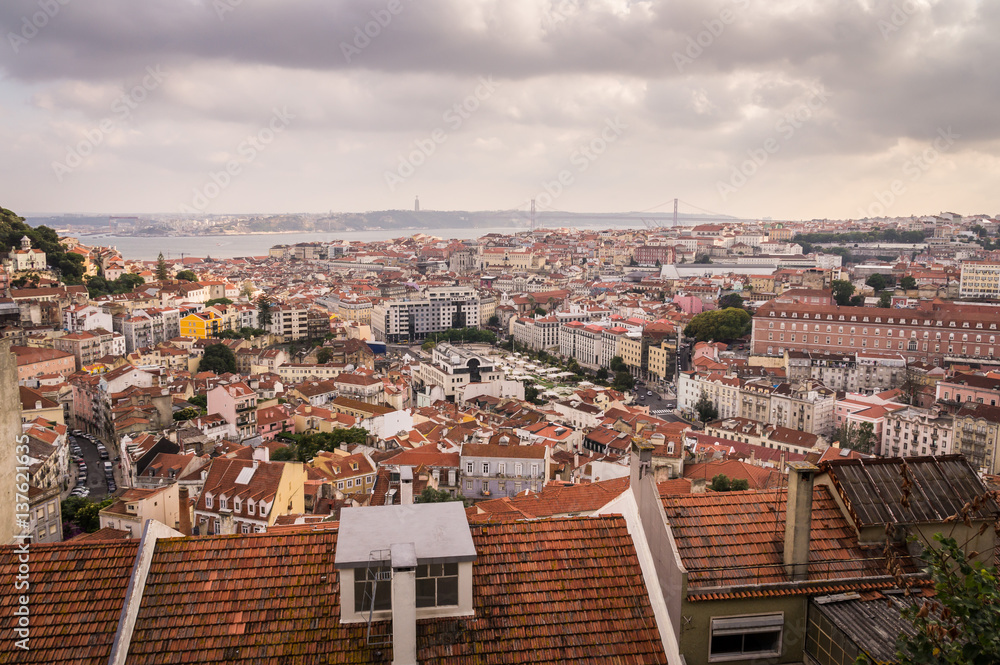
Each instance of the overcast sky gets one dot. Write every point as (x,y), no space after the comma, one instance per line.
(780,108)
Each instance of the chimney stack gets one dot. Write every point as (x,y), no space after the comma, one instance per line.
(798,518)
(184,511)
(405,485)
(226,527)
(404,604)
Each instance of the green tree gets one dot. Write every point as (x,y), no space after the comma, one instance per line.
(264,311)
(218,358)
(162,271)
(623,381)
(324,355)
(187,413)
(431,495)
(200,401)
(876,281)
(723,483)
(602,374)
(494,321)
(705,408)
(187,276)
(617,365)
(721,325)
(311,443)
(246,290)
(283,454)
(960,625)
(908,282)
(842,291)
(218,301)
(83,513)
(731,300)
(885,300)
(540,311)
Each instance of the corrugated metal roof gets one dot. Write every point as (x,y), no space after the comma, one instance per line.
(907,490)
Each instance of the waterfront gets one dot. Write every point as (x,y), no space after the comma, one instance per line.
(229,246)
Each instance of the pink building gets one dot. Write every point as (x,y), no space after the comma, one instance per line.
(690,304)
(274,420)
(237,403)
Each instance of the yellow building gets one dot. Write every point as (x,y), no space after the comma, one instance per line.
(661,359)
(630,350)
(201,325)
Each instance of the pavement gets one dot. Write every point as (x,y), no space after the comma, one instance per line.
(661,405)
(95,470)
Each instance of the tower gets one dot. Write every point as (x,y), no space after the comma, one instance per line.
(416,204)
(675,212)
(25,243)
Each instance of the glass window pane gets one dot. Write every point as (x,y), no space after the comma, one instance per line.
(448,591)
(425,592)
(451,569)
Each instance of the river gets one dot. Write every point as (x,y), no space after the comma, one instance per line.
(229,246)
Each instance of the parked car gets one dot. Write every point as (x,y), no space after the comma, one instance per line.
(111,486)
(649,393)
(80,491)
(103,452)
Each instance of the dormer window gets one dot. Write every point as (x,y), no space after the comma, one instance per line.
(250,507)
(223,503)
(237,504)
(437,585)
(208,501)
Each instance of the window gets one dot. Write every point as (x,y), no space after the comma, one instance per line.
(208,501)
(534,470)
(518,469)
(372,584)
(245,528)
(501,468)
(469,467)
(746,637)
(249,507)
(486,468)
(237,504)
(468,485)
(437,585)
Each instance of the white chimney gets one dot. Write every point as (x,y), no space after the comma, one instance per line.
(405,485)
(404,604)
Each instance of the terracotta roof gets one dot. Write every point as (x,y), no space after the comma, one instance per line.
(500,451)
(737,538)
(560,499)
(77,591)
(560,590)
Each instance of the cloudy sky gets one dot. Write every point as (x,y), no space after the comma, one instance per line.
(793,109)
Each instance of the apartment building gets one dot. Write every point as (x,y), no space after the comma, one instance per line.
(980,279)
(413,319)
(501,469)
(538,334)
(848,372)
(583,342)
(79,318)
(977,436)
(289,321)
(452,368)
(237,404)
(934,332)
(912,431)
(88,347)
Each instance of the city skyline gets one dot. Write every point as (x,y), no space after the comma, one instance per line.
(784,110)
